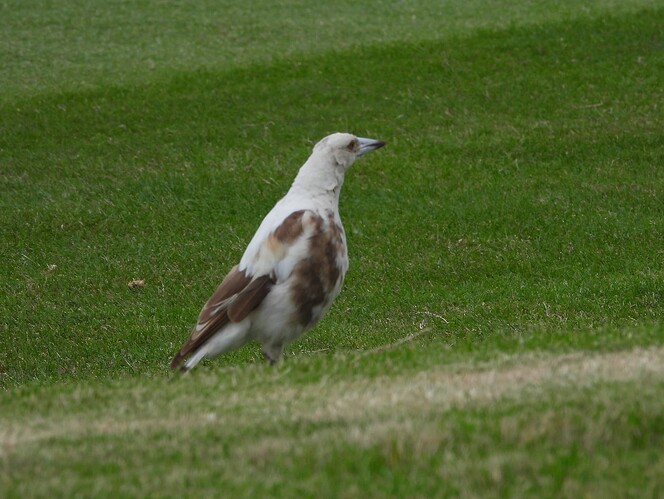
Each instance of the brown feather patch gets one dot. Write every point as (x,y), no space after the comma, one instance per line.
(234,282)
(249,298)
(277,242)
(291,228)
(198,338)
(318,275)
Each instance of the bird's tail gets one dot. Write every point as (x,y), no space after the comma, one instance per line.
(178,362)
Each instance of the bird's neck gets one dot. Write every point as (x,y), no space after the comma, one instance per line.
(316,179)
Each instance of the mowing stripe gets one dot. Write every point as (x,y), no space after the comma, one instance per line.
(356,401)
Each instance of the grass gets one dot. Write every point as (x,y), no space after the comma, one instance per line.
(527,424)
(77,45)
(515,217)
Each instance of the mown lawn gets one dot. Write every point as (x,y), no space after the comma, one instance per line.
(513,222)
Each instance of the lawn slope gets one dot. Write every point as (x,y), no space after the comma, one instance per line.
(519,197)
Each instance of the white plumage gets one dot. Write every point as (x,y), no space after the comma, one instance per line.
(293,267)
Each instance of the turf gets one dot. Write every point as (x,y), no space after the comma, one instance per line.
(525,425)
(516,210)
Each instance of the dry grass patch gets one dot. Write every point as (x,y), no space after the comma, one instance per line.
(352,405)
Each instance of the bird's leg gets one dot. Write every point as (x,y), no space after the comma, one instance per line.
(272,353)
(269,359)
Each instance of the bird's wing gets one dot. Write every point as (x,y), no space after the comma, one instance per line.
(236,296)
(247,284)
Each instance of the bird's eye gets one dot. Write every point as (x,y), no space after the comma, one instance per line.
(353,145)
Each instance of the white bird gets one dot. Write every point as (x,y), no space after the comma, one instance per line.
(293,268)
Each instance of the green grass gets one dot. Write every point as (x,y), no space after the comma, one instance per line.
(516,211)
(52,47)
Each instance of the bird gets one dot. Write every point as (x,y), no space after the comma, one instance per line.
(292,269)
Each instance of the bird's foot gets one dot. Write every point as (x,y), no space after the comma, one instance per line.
(269,359)
(272,352)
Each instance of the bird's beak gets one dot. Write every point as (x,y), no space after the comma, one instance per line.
(367,145)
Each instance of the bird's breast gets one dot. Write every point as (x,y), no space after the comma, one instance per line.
(317,278)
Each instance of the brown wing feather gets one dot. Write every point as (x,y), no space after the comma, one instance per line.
(249,298)
(234,282)
(202,335)
(237,292)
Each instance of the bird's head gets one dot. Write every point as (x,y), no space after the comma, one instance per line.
(331,157)
(345,148)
